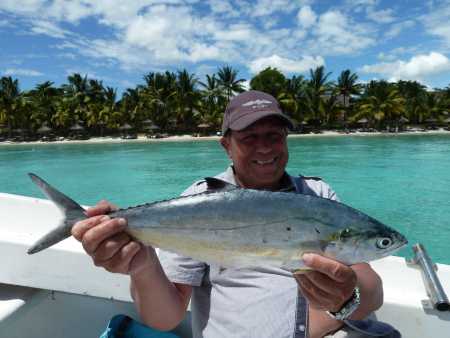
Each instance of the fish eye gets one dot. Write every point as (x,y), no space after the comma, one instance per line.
(384,243)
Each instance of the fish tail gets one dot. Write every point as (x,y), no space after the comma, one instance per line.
(73,212)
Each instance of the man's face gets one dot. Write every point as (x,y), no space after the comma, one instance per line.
(259,153)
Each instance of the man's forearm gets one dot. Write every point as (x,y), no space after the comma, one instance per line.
(160,303)
(370,285)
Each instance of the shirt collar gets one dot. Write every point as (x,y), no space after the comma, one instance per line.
(286,181)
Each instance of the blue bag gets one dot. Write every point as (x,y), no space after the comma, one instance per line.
(121,326)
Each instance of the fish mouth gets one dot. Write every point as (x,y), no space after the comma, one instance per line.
(400,242)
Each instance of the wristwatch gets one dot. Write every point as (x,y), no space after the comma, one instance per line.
(348,307)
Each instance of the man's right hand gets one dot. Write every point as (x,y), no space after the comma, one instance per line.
(104,239)
(162,305)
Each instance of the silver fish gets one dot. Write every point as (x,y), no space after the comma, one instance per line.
(234,227)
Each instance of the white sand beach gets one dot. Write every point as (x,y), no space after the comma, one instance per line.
(178,138)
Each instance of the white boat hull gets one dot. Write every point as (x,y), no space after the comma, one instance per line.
(56,292)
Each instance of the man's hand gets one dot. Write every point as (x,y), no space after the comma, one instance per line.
(104,239)
(329,286)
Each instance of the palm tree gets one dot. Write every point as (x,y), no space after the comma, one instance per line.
(347,86)
(43,100)
(227,77)
(63,116)
(446,93)
(381,103)
(101,107)
(10,101)
(130,106)
(436,105)
(213,101)
(295,89)
(416,97)
(332,110)
(159,96)
(77,90)
(110,111)
(318,89)
(95,90)
(186,97)
(95,101)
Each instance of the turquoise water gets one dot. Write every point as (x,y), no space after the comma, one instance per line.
(404,181)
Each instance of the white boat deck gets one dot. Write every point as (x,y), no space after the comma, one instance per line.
(52,286)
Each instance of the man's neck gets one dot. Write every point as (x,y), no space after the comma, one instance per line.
(283,183)
(272,187)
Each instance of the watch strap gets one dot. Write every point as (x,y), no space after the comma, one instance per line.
(348,307)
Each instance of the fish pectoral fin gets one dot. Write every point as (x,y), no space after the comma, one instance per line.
(214,184)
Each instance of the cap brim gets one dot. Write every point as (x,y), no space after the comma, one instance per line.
(249,119)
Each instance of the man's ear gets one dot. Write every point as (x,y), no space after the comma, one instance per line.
(225,142)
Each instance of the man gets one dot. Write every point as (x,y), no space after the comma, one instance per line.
(257,302)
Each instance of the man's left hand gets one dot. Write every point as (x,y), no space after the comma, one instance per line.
(329,286)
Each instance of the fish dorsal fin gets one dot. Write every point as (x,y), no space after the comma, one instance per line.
(215,184)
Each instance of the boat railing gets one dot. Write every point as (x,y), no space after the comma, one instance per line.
(437,297)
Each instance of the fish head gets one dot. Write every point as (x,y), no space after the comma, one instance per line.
(363,243)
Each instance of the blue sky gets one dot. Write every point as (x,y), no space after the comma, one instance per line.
(120,41)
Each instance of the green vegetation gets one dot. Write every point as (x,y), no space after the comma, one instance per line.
(178,102)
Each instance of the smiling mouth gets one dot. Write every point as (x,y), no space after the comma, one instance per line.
(266,162)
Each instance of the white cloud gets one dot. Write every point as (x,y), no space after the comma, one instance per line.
(129,57)
(437,22)
(144,34)
(109,12)
(152,39)
(362,2)
(359,6)
(22,72)
(417,68)
(398,53)
(27,7)
(203,70)
(286,65)
(202,52)
(306,17)
(380,16)
(223,7)
(156,33)
(90,74)
(336,34)
(71,56)
(49,29)
(397,28)
(238,32)
(71,11)
(270,22)
(268,7)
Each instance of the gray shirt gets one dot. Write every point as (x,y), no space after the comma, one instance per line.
(257,302)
